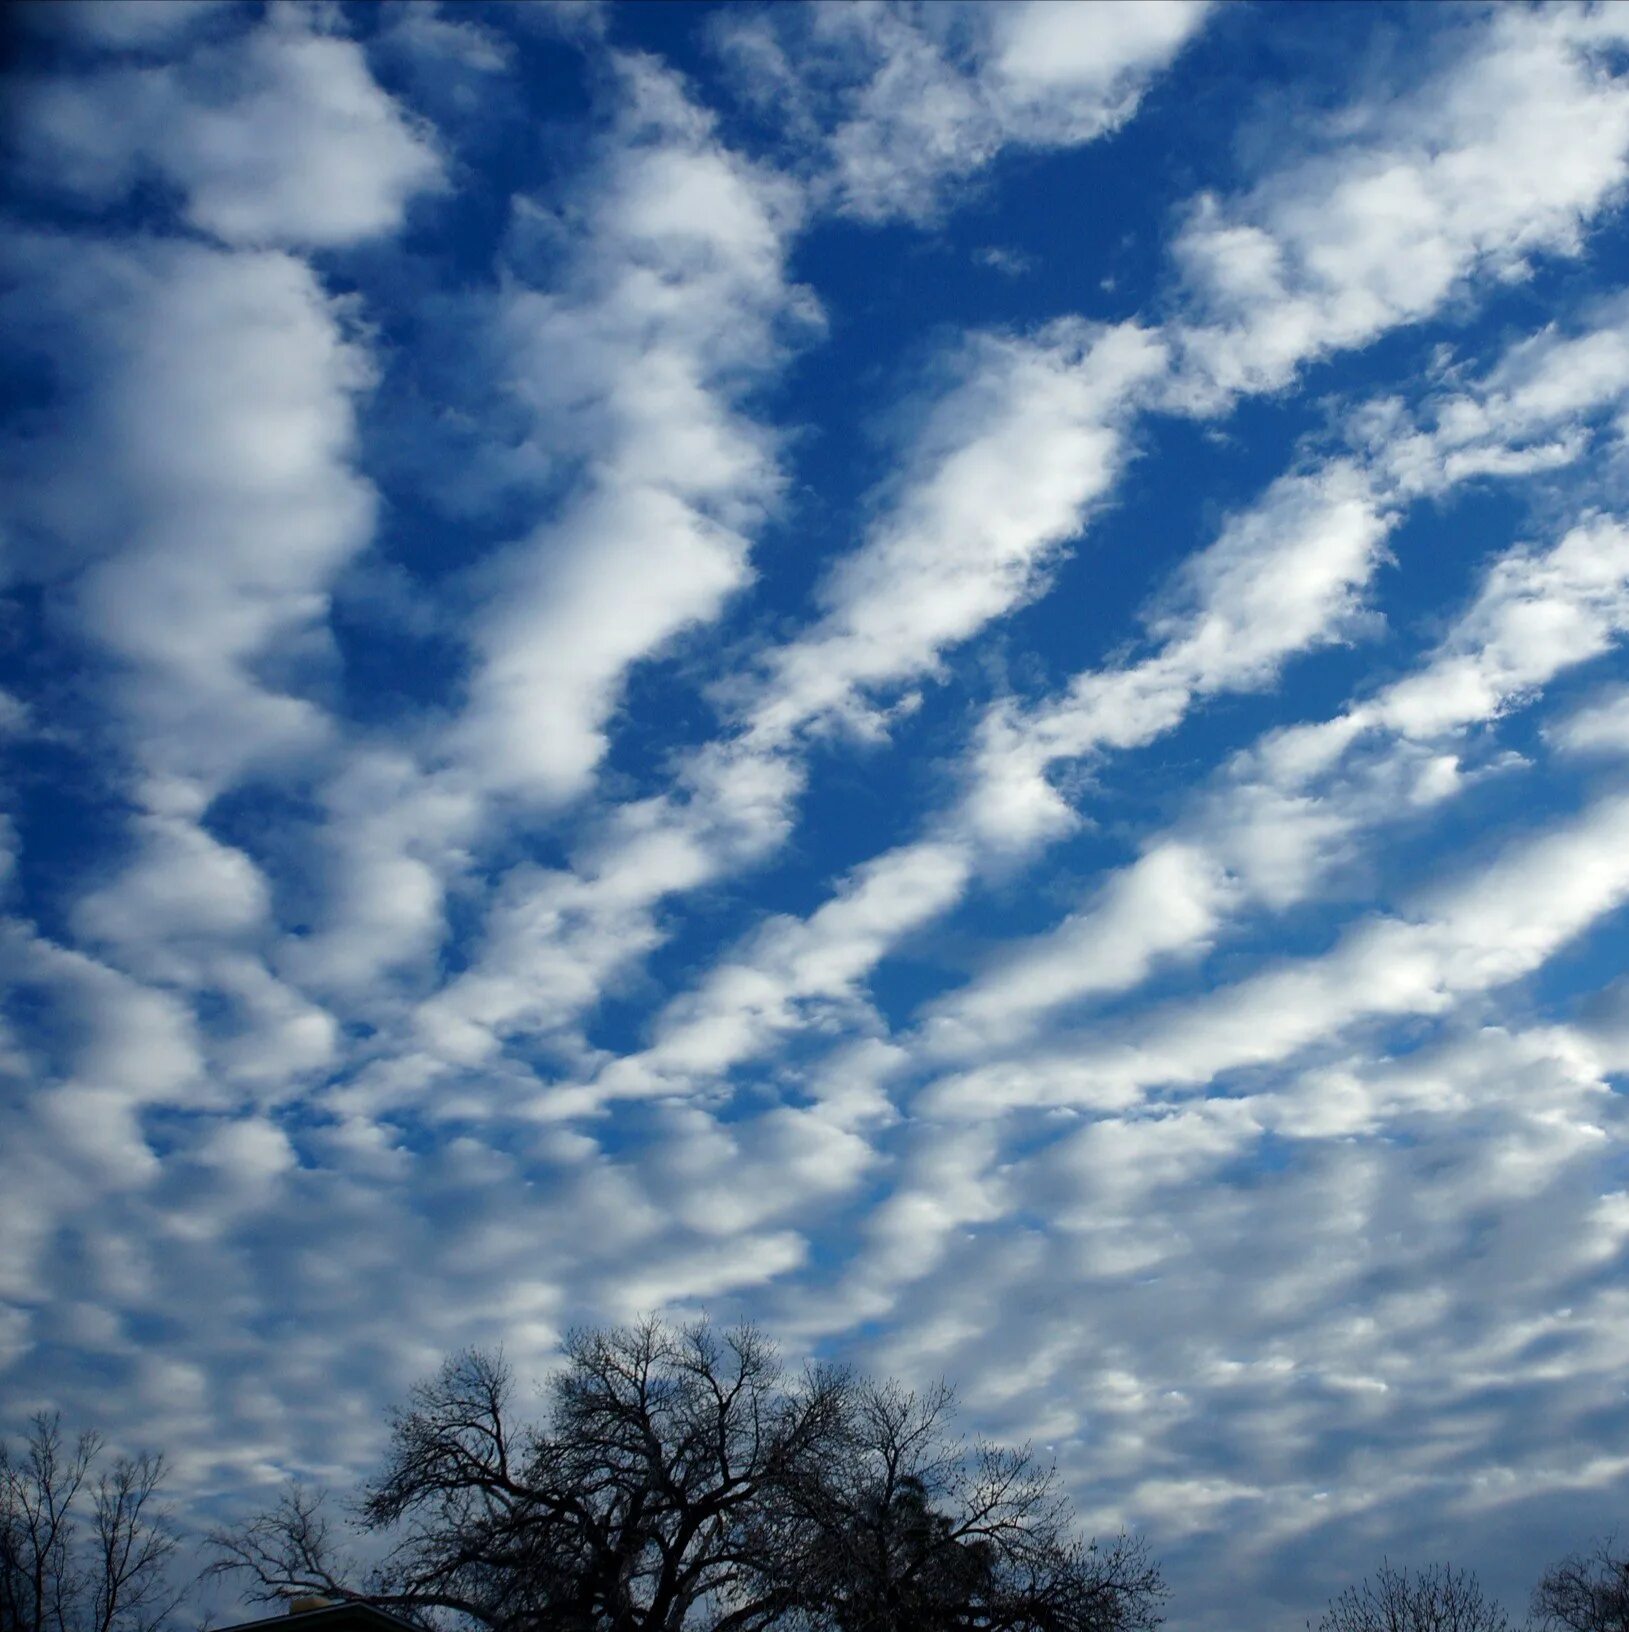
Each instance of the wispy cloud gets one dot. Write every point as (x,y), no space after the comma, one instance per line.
(896,105)
(1504,153)
(672,296)
(279,137)
(598,717)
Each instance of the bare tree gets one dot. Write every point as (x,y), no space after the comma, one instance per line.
(1585,1592)
(84,1547)
(1436,1599)
(627,1513)
(910,1527)
(685,1483)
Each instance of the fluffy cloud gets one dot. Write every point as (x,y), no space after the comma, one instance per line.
(190,541)
(523,808)
(901,102)
(1290,808)
(948,554)
(1484,929)
(1601,727)
(673,294)
(1285,575)
(278,137)
(1506,152)
(999,480)
(795,973)
(1291,1306)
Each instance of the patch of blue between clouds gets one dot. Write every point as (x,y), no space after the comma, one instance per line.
(683,842)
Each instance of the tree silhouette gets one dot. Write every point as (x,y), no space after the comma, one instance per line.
(84,1545)
(1585,1592)
(1436,1599)
(910,1528)
(684,1483)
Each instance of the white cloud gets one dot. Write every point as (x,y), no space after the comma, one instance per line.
(1486,928)
(1542,406)
(1001,478)
(1272,587)
(673,296)
(556,940)
(900,102)
(1169,903)
(120,1042)
(278,137)
(792,973)
(1601,727)
(195,498)
(1355,1287)
(721,1181)
(631,365)
(1285,575)
(198,499)
(182,884)
(1247,1273)
(1287,810)
(376,875)
(190,915)
(442,41)
(1508,149)
(949,552)
(1539,612)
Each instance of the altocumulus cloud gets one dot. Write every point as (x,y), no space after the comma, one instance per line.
(952,677)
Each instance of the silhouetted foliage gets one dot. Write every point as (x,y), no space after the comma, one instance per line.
(84,1544)
(1585,1592)
(684,1482)
(904,1527)
(1436,1599)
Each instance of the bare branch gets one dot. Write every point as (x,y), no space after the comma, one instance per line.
(1438,1598)
(684,1483)
(59,1573)
(1585,1592)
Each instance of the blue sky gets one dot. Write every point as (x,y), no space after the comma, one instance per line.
(948,677)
